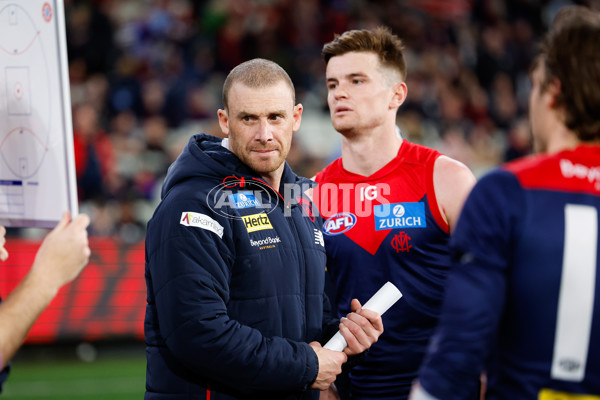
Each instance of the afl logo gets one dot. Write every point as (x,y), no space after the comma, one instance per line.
(339,223)
(47,12)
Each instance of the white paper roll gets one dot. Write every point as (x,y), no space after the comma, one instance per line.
(380,302)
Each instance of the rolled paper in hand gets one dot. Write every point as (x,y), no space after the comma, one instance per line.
(381,301)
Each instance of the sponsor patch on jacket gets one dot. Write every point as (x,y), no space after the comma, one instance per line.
(197,220)
(257,222)
(399,215)
(339,223)
(244,200)
(266,243)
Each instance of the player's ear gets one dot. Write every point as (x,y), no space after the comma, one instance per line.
(554,88)
(400,91)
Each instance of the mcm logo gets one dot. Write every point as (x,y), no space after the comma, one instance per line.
(401,242)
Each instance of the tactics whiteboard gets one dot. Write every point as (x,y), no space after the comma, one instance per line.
(37,172)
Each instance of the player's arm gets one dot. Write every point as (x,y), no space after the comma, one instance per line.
(475,291)
(62,255)
(452,181)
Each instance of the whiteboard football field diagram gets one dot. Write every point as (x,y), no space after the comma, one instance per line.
(25,107)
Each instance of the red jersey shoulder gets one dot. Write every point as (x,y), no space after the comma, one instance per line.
(570,170)
(417,153)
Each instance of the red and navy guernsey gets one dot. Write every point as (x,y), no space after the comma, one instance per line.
(522,301)
(387,227)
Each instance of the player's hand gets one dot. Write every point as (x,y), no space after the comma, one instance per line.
(3,252)
(361,328)
(330,366)
(64,251)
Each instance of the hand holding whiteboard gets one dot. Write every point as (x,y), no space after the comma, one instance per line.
(381,301)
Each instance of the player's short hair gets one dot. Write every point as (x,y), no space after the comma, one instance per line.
(570,53)
(381,41)
(256,73)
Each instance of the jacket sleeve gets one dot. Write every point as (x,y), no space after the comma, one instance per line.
(190,268)
(475,291)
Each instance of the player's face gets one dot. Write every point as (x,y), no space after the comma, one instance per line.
(358,95)
(260,123)
(539,109)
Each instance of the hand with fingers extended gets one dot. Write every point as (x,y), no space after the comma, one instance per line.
(361,328)
(330,366)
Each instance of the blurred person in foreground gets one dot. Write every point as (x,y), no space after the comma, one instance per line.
(61,257)
(235,272)
(390,206)
(523,299)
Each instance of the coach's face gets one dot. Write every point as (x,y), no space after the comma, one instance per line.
(259,123)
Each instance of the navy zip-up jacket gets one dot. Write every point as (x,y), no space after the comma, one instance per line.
(235,279)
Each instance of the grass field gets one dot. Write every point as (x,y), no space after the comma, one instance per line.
(117,373)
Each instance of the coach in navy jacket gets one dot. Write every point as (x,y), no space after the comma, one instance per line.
(235,271)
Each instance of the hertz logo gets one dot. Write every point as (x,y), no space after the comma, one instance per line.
(257,222)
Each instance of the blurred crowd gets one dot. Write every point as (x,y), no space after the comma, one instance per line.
(146,75)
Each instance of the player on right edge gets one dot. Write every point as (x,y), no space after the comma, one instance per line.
(523,299)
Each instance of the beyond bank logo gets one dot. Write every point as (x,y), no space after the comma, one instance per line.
(400,215)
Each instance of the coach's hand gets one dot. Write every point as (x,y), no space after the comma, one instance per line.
(330,365)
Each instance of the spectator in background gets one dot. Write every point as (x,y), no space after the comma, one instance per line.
(522,302)
(94,156)
(60,258)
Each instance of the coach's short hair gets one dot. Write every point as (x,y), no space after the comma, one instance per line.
(570,53)
(381,41)
(256,73)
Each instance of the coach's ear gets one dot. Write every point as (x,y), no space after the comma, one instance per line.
(223,121)
(297,116)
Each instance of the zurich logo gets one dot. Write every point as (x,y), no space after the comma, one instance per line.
(339,223)
(398,210)
(244,200)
